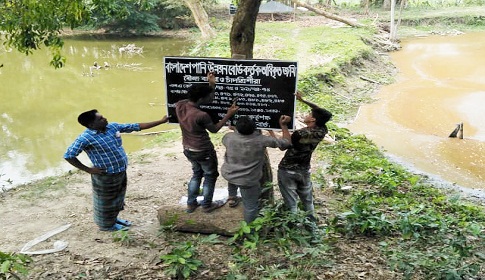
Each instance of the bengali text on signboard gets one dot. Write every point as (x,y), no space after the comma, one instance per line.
(264,89)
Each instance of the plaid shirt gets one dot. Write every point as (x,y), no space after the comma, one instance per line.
(105,150)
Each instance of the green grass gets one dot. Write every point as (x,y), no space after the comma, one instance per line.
(422,231)
(166,138)
(46,187)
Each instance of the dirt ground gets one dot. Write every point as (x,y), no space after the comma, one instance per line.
(156,177)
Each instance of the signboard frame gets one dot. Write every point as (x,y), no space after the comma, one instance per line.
(264,88)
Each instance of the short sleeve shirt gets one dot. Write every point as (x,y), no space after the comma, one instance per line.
(193,123)
(243,161)
(303,141)
(104,149)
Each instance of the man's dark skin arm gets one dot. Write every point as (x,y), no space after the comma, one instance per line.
(230,112)
(153,124)
(213,128)
(95,170)
(211,78)
(284,121)
(79,165)
(300,98)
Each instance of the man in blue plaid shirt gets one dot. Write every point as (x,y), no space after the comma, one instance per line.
(102,143)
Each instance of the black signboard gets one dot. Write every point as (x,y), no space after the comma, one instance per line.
(264,89)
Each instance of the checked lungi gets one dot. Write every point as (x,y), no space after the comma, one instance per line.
(108,197)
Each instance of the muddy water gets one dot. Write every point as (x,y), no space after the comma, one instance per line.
(39,105)
(440,83)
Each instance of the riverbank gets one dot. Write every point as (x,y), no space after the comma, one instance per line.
(361,237)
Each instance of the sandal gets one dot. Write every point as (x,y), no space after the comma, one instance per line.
(115,227)
(213,206)
(123,222)
(233,201)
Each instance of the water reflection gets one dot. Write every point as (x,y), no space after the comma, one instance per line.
(40,105)
(439,85)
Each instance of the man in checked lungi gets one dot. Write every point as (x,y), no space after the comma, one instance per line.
(102,143)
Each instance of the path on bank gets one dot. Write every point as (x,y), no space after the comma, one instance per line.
(156,177)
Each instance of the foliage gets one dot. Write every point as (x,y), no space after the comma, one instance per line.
(31,25)
(126,17)
(123,237)
(423,231)
(38,189)
(181,261)
(27,27)
(166,138)
(280,244)
(173,14)
(11,264)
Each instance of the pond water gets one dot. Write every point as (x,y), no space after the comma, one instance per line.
(440,84)
(39,104)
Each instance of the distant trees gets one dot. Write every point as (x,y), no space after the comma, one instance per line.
(30,25)
(126,17)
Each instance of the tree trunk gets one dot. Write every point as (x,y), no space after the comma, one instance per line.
(243,28)
(267,190)
(394,35)
(327,15)
(386,5)
(393,25)
(365,5)
(201,18)
(222,221)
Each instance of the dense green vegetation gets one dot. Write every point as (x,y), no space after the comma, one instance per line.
(418,230)
(11,265)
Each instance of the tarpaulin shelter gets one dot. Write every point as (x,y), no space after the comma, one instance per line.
(273,7)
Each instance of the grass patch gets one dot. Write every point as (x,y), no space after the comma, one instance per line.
(46,187)
(421,231)
(167,138)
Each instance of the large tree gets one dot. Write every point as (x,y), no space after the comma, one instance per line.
(243,28)
(29,25)
(201,18)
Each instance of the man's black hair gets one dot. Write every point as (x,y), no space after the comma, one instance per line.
(245,125)
(199,91)
(87,117)
(321,116)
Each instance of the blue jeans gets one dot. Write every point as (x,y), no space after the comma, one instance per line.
(250,197)
(204,164)
(296,184)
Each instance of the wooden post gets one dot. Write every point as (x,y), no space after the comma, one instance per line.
(454,133)
(458,131)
